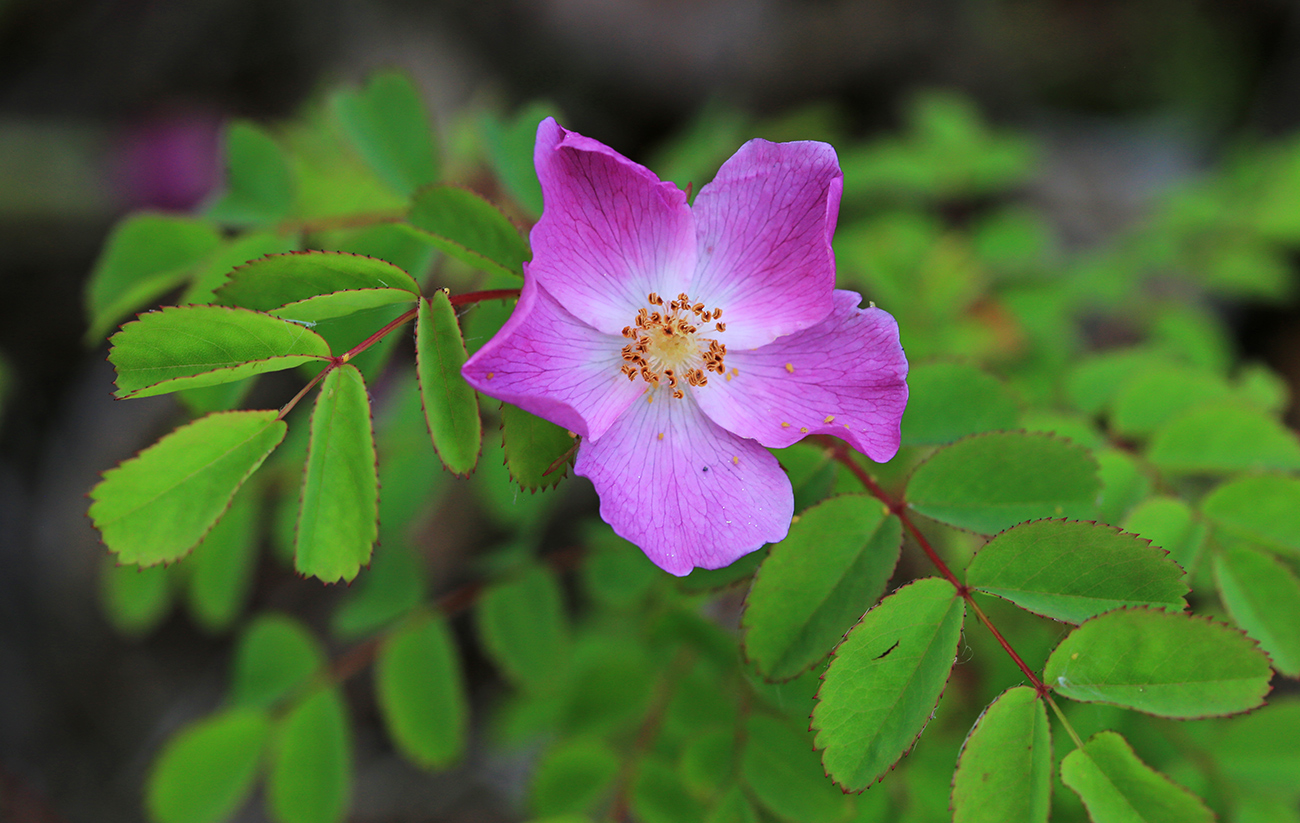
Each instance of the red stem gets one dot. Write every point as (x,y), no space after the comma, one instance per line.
(899,508)
(479,296)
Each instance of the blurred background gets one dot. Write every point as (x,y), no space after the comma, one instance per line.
(112,105)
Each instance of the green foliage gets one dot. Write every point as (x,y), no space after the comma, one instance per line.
(885,680)
(207,771)
(1005,768)
(651,698)
(310,778)
(421,692)
(1072,571)
(987,483)
(1166,664)
(157,506)
(450,404)
(1117,787)
(389,127)
(338,518)
(810,589)
(200,346)
(459,223)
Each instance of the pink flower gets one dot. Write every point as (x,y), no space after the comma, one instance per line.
(681,342)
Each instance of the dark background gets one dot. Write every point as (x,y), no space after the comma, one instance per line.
(109,105)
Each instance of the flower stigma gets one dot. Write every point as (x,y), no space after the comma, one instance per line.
(667,345)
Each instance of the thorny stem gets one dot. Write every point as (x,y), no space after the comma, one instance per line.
(404,317)
(841,453)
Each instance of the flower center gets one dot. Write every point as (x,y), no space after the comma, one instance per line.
(666,345)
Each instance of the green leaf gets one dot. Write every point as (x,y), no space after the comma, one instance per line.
(1071,571)
(387,123)
(276,656)
(1117,787)
(885,680)
(1004,771)
(783,773)
(146,256)
(212,273)
(1263,509)
(155,507)
(1223,438)
(947,401)
(421,693)
(533,447)
(572,777)
(338,517)
(658,795)
(1168,523)
(1155,394)
(450,404)
(1162,663)
(303,277)
(1261,751)
(206,771)
(462,224)
(733,807)
(1124,484)
(817,582)
(1263,596)
(221,568)
(259,185)
(989,482)
(1096,379)
(310,777)
(708,761)
(136,600)
(313,310)
(523,627)
(179,348)
(509,147)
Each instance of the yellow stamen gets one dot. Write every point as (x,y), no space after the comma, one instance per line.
(785,425)
(803,429)
(830,418)
(735,461)
(789,367)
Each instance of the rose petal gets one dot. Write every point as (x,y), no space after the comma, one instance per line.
(548,362)
(610,233)
(845,376)
(764,226)
(685,491)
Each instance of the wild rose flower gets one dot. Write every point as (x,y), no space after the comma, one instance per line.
(681,342)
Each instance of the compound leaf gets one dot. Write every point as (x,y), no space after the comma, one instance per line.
(421,692)
(206,771)
(1117,787)
(462,224)
(989,482)
(310,777)
(193,346)
(155,507)
(885,680)
(450,404)
(814,585)
(1004,771)
(1071,571)
(1162,663)
(338,520)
